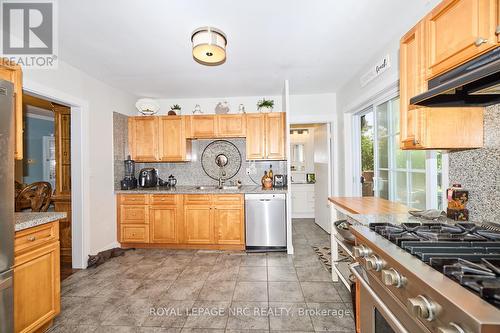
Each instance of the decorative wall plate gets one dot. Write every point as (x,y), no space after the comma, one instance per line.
(221,152)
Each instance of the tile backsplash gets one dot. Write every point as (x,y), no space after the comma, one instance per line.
(478,170)
(188,173)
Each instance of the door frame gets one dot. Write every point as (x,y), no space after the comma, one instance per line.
(80,166)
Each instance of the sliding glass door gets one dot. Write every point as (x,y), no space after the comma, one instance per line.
(403,176)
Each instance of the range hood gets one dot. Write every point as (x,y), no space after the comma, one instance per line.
(475,83)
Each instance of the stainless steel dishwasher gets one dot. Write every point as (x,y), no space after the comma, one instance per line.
(265,222)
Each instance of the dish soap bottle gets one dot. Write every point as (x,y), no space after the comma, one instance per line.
(270,174)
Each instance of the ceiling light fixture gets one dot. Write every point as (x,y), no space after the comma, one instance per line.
(209,46)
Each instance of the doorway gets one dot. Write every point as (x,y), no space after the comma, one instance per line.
(47,158)
(311,172)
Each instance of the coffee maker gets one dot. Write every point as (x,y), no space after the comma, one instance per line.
(129,182)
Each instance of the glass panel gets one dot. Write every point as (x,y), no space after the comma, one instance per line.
(395,115)
(440,190)
(418,190)
(383,184)
(367,160)
(400,187)
(383,152)
(418,160)
(401,155)
(382,120)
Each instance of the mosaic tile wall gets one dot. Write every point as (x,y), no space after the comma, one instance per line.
(478,170)
(189,173)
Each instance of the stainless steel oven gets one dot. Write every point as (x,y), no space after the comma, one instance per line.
(379,310)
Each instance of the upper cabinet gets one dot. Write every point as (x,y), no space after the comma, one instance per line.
(265,136)
(459,30)
(158,139)
(203,127)
(173,146)
(437,44)
(231,126)
(143,138)
(14,74)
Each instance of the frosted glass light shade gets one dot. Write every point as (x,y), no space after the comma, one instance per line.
(147,106)
(209,46)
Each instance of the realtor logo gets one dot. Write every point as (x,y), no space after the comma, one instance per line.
(28,32)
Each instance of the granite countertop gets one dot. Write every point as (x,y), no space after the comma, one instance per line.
(32,219)
(211,189)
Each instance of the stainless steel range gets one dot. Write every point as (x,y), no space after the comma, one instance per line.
(428,277)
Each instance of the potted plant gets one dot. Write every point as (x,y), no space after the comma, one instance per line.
(265,105)
(174,109)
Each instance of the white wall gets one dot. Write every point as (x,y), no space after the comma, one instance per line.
(304,108)
(95,102)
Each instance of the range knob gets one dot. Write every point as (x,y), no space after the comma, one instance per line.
(423,308)
(391,277)
(361,251)
(374,263)
(452,328)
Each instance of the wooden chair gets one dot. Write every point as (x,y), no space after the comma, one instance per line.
(36,196)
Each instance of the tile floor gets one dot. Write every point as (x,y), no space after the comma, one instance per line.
(207,291)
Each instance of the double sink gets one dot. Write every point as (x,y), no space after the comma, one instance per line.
(223,187)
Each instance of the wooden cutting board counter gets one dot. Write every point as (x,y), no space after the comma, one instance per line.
(368,205)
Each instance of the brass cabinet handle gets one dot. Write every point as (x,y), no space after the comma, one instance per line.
(480,40)
(497,30)
(31,238)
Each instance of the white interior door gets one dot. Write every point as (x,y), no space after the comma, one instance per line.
(286,108)
(323,171)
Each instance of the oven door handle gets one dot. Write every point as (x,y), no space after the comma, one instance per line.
(380,304)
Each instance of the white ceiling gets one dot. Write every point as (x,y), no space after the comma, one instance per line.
(143,47)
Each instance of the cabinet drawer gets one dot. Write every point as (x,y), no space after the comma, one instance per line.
(36,236)
(228,199)
(135,233)
(198,199)
(134,214)
(163,199)
(133,199)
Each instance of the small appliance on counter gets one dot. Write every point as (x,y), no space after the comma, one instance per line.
(148,177)
(170,182)
(129,182)
(279,181)
(457,201)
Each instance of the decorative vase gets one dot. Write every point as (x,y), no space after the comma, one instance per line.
(172,113)
(265,109)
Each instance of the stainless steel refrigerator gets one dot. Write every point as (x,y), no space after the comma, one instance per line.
(6,206)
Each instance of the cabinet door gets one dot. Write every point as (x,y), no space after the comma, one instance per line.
(164,225)
(457,31)
(37,288)
(275,136)
(173,146)
(229,225)
(203,126)
(231,126)
(256,131)
(143,138)
(14,74)
(199,225)
(134,233)
(134,214)
(412,71)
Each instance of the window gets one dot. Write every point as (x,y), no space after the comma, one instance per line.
(413,178)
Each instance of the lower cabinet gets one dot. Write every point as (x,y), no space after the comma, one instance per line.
(37,287)
(191,220)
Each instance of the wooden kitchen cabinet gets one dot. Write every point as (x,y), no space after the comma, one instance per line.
(458,31)
(203,127)
(172,140)
(265,136)
(431,128)
(207,221)
(165,218)
(13,73)
(143,138)
(275,136)
(231,126)
(37,286)
(199,224)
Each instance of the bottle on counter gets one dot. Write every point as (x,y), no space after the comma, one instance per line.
(263,178)
(457,201)
(270,173)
